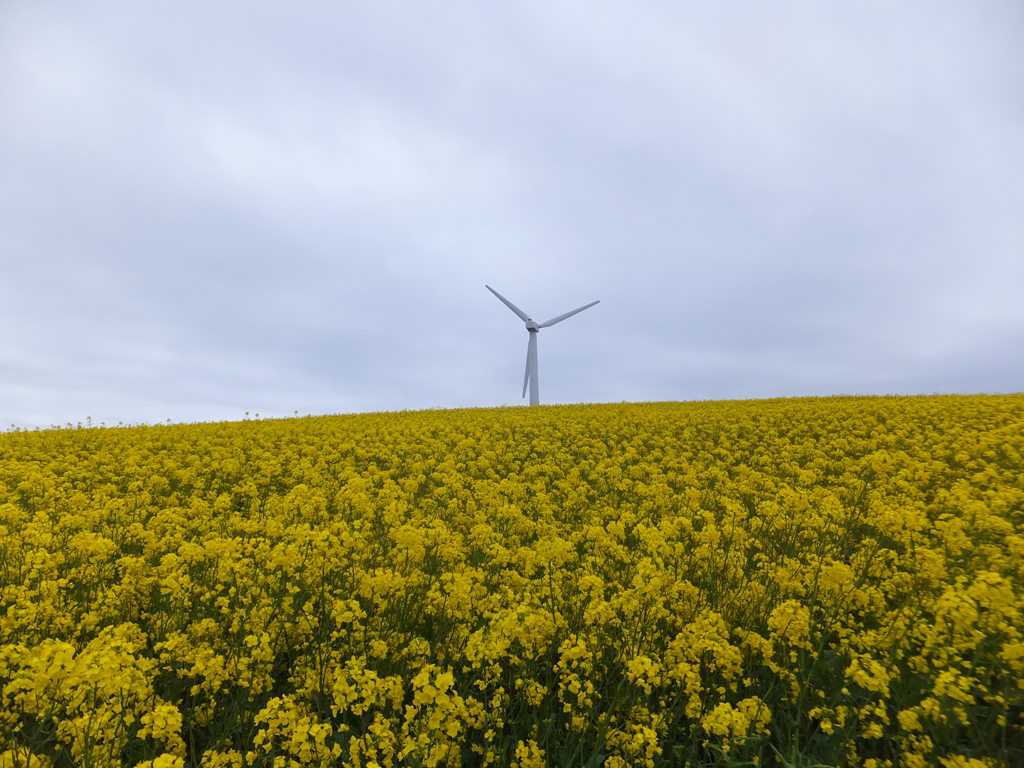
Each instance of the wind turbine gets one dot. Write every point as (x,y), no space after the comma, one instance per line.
(531,351)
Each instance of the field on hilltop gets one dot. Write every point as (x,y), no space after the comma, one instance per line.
(833,581)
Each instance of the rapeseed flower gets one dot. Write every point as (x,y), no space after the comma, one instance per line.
(837,580)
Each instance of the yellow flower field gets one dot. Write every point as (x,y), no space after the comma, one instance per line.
(833,581)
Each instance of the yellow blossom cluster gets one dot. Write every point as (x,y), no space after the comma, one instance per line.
(834,581)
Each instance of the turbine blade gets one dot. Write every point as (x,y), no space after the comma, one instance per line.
(560,318)
(526,376)
(522,315)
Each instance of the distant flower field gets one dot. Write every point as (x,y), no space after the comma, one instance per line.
(830,581)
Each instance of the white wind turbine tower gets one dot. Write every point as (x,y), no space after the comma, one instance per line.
(531,351)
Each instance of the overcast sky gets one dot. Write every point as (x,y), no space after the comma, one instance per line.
(213,208)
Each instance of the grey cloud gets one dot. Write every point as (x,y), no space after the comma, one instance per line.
(212,210)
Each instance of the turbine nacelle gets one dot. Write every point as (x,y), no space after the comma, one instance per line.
(533,327)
